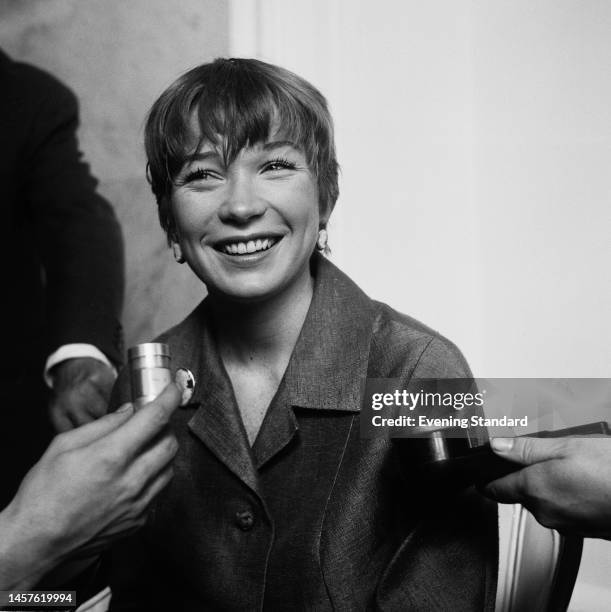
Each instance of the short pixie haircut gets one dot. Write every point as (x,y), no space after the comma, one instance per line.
(237,103)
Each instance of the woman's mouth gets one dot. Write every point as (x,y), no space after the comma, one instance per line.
(248,247)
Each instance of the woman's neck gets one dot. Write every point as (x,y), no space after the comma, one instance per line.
(262,334)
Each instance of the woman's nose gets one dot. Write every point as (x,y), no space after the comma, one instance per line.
(241,202)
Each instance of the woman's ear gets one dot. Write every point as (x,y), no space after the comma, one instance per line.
(324,212)
(323,235)
(322,240)
(178,256)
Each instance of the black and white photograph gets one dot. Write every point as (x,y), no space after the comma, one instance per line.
(308,305)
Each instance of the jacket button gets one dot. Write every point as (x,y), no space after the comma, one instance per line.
(245,520)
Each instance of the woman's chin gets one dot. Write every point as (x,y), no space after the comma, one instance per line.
(245,290)
(252,290)
(251,280)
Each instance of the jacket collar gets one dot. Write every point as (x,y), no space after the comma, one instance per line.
(217,421)
(326,371)
(329,363)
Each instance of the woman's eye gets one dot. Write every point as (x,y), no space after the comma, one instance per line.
(279,164)
(199,174)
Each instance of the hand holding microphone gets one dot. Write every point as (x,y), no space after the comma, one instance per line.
(91,486)
(564,482)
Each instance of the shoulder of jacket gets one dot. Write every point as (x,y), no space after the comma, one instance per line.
(402,346)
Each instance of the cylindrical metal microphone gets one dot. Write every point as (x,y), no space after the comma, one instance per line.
(149,367)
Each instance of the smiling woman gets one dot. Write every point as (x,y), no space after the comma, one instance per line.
(277,502)
(249,227)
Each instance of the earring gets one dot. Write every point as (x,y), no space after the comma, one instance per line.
(323,237)
(177,253)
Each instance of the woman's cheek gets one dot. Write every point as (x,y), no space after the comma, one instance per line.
(191,213)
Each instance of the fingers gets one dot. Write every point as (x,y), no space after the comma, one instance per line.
(94,430)
(102,372)
(508,490)
(77,406)
(527,451)
(156,486)
(146,423)
(103,378)
(137,517)
(114,532)
(95,400)
(60,421)
(69,417)
(155,460)
(78,414)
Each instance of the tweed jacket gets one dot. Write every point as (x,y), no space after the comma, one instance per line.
(312,517)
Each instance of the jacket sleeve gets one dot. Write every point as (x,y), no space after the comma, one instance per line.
(454,546)
(76,231)
(442,360)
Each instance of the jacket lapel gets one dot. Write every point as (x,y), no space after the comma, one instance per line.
(219,426)
(216,422)
(328,366)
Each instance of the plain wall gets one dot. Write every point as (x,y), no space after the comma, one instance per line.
(475,145)
(118,57)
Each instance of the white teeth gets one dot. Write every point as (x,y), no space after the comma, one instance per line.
(252,246)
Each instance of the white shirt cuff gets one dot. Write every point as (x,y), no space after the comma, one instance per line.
(73,351)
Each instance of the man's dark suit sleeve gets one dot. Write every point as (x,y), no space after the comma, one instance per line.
(76,230)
